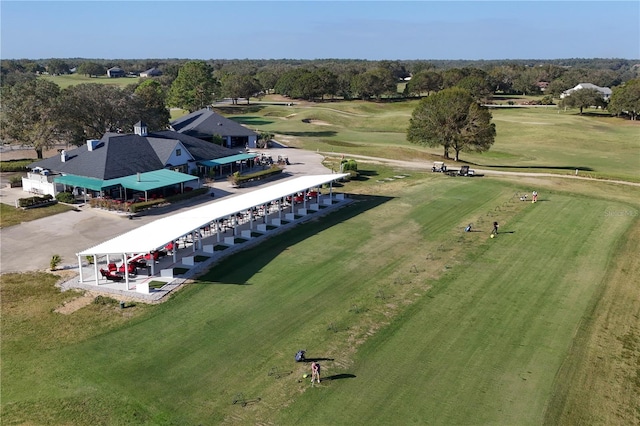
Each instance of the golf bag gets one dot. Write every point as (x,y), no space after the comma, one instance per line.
(300,355)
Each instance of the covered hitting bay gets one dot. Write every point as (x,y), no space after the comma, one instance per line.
(156,235)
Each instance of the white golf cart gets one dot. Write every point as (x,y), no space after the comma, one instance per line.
(439,166)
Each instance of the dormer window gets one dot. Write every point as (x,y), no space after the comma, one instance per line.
(178,152)
(140,129)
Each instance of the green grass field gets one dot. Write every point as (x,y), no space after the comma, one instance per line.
(9,215)
(419,322)
(528,139)
(414,320)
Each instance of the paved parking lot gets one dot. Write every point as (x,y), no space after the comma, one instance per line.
(30,245)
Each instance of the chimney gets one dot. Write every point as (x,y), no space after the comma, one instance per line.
(63,156)
(138,175)
(92,144)
(140,129)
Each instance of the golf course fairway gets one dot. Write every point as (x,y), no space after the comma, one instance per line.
(413,320)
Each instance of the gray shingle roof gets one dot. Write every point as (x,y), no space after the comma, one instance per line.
(199,149)
(151,72)
(118,155)
(204,123)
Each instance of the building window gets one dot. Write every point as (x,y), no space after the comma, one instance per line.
(178,152)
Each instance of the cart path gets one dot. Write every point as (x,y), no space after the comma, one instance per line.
(421,165)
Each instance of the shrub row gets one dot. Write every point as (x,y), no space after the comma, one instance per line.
(36,201)
(107,204)
(187,195)
(144,205)
(237,179)
(65,197)
(15,165)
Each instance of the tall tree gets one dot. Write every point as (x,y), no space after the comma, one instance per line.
(625,99)
(526,82)
(479,87)
(194,88)
(267,79)
(91,69)
(291,83)
(453,119)
(150,104)
(583,98)
(375,83)
(57,66)
(89,110)
(452,76)
(501,78)
(237,86)
(327,82)
(28,114)
(425,81)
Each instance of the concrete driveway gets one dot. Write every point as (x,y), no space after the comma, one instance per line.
(30,245)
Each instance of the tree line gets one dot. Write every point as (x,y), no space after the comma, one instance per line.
(356,79)
(36,112)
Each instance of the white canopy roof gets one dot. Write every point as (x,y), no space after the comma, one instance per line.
(157,234)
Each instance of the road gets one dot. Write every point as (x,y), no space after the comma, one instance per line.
(426,166)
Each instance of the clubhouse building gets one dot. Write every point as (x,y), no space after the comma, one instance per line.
(140,164)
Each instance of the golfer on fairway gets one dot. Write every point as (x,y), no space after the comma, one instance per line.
(315,371)
(495,228)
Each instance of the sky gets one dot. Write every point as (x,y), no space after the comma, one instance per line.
(371,30)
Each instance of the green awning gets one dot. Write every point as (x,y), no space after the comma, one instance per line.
(227,160)
(152,180)
(82,182)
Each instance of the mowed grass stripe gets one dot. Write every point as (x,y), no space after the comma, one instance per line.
(232,334)
(250,314)
(184,362)
(485,349)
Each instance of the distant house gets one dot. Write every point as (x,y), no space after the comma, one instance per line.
(103,165)
(115,72)
(542,85)
(605,91)
(152,72)
(205,124)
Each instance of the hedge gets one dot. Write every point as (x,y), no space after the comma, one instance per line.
(187,195)
(237,179)
(36,201)
(15,165)
(65,197)
(144,205)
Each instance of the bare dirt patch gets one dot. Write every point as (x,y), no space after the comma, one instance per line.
(73,305)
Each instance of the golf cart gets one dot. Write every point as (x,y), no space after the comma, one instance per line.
(464,171)
(439,166)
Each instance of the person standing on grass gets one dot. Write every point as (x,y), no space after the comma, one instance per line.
(315,371)
(534,196)
(495,228)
